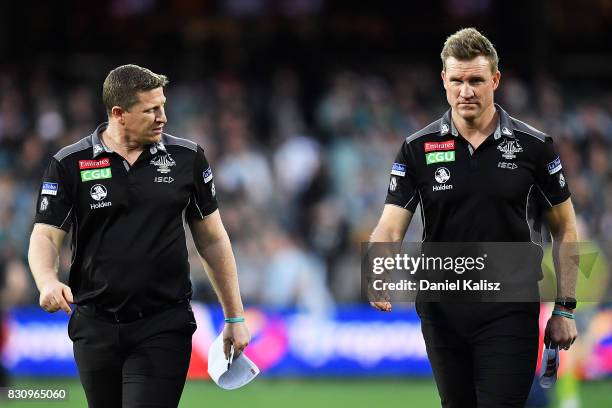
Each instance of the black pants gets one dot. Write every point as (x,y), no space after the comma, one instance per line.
(482,354)
(140,364)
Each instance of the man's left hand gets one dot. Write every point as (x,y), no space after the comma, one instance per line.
(237,335)
(560,331)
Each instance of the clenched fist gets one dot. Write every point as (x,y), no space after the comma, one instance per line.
(560,331)
(237,335)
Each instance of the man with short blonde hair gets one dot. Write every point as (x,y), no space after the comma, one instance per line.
(496,171)
(467,44)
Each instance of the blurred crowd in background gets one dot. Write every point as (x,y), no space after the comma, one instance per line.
(300,107)
(297,199)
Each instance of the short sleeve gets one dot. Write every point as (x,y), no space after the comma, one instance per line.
(203,200)
(549,175)
(402,189)
(55,201)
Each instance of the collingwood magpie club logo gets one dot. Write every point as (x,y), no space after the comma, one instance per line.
(44,203)
(393,184)
(444,129)
(163,163)
(509,148)
(561,180)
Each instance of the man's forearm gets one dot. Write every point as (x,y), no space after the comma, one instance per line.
(43,257)
(392,225)
(383,234)
(566,260)
(223,274)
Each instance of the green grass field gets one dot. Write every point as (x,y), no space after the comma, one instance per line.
(268,393)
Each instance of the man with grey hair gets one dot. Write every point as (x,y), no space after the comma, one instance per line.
(125,192)
(477,173)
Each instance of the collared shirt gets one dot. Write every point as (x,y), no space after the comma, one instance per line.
(129,250)
(494,193)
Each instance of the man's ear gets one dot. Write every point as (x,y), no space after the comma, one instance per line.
(443,76)
(496,80)
(117,113)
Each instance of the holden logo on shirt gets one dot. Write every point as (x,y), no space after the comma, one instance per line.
(509,148)
(442,175)
(98,192)
(163,163)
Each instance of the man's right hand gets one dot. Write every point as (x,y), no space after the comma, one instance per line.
(382,306)
(237,335)
(54,295)
(391,228)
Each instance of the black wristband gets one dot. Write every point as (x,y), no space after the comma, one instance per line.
(567,302)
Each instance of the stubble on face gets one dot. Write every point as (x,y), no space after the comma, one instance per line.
(469,86)
(147,117)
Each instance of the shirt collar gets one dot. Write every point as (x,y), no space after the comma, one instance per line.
(504,127)
(98,145)
(96,142)
(158,147)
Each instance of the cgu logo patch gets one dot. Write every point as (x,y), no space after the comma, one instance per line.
(96,174)
(440,157)
(439,146)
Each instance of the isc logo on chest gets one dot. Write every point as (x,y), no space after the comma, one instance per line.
(96,174)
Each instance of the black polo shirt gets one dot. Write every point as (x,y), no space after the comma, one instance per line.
(494,193)
(128,237)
